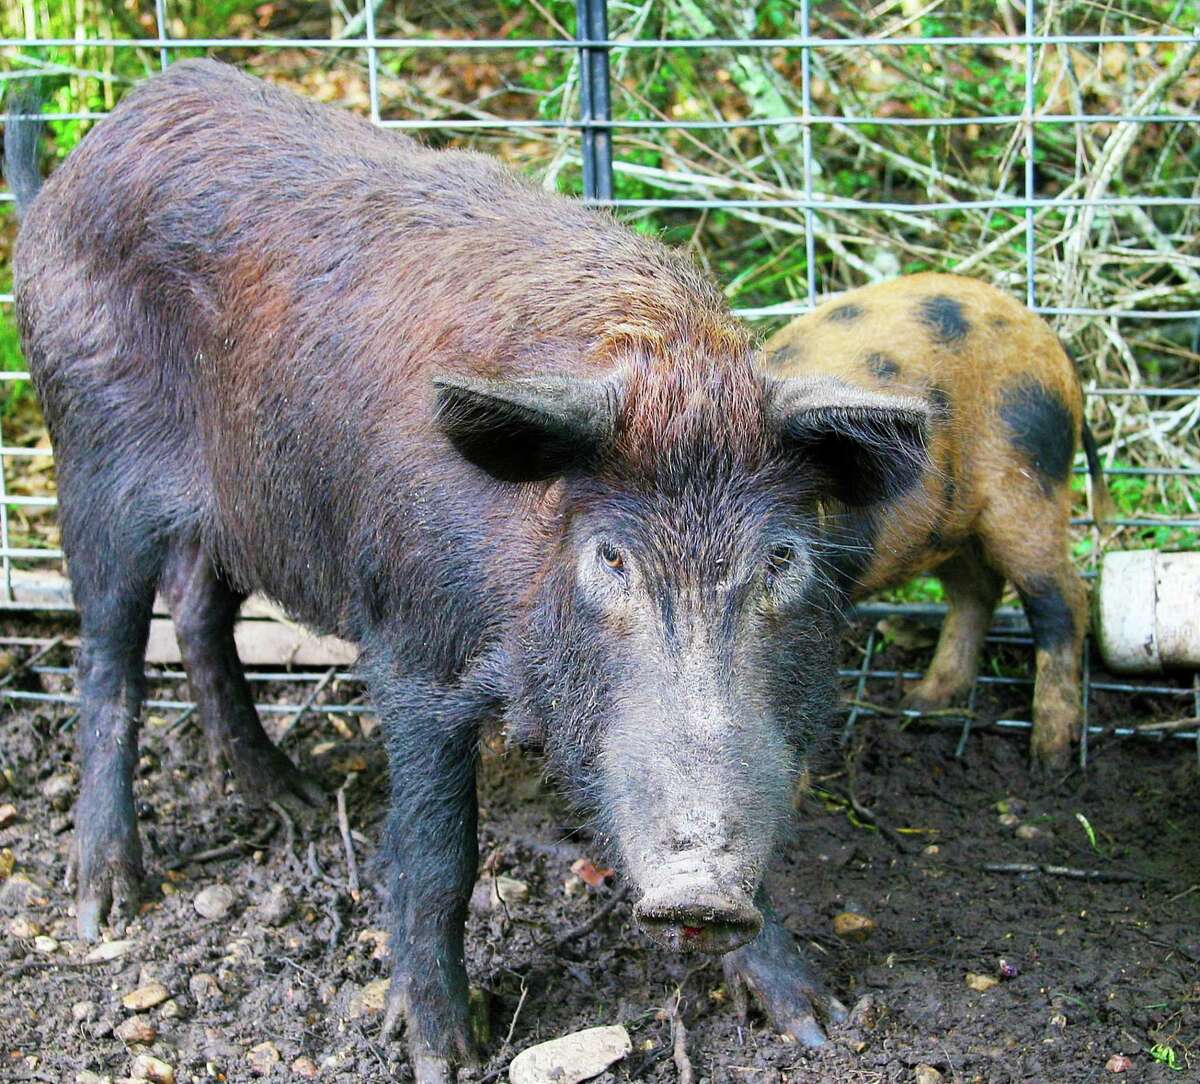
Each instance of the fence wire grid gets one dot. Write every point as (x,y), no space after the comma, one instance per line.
(1037,230)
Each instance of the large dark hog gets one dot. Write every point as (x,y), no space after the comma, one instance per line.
(519,455)
(995,501)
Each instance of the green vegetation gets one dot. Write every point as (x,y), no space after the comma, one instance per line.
(1130,257)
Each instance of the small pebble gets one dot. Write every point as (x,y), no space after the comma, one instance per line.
(108,950)
(1009,820)
(275,907)
(45,945)
(147,1067)
(18,892)
(145,997)
(1007,969)
(170,1010)
(213,902)
(377,938)
(8,814)
(511,891)
(865,1014)
(926,1074)
(263,1058)
(86,1076)
(1058,1021)
(571,1058)
(851,926)
(137,1029)
(58,790)
(981,983)
(23,928)
(370,999)
(83,1010)
(932,851)
(1027,832)
(305,1067)
(1119,1063)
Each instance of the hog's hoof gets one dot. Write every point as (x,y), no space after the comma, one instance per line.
(786,991)
(262,774)
(107,889)
(429,1067)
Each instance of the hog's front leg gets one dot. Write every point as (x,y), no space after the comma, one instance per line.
(430,849)
(782,981)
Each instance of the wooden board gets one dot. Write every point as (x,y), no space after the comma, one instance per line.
(264,636)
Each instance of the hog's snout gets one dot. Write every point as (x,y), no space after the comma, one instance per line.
(690,918)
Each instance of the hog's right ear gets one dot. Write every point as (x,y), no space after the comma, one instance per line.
(528,429)
(862,446)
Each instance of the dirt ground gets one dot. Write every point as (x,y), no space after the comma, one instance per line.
(1091,969)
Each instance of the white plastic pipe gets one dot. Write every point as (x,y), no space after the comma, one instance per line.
(1147,611)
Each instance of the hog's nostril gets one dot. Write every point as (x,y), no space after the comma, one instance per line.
(698,921)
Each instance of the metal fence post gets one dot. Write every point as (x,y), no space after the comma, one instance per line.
(591,24)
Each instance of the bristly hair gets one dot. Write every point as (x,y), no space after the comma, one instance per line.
(690,399)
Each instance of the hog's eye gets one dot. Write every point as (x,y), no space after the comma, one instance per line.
(611,557)
(780,559)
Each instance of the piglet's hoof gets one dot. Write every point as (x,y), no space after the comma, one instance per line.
(1050,757)
(924,697)
(785,990)
(107,890)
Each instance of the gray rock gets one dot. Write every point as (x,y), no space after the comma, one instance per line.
(213,902)
(275,907)
(571,1058)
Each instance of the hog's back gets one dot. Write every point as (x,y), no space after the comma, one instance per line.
(233,303)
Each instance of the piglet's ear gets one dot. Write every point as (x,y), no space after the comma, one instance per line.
(529,429)
(864,446)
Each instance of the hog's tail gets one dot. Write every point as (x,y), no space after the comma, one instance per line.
(1102,505)
(22,135)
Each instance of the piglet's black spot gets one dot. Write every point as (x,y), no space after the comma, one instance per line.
(999,322)
(844,314)
(939,402)
(945,318)
(783,355)
(1049,615)
(1040,428)
(883,367)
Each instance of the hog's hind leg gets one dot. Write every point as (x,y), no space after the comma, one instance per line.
(972,589)
(114,592)
(204,609)
(772,969)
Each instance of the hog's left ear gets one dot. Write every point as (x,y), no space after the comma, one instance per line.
(529,429)
(865,447)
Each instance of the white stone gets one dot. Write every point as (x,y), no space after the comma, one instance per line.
(214,901)
(571,1058)
(108,950)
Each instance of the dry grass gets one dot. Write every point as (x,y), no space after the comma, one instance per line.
(1133,257)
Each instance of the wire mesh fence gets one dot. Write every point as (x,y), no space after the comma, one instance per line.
(798,149)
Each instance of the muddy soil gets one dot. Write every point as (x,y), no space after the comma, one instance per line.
(1091,969)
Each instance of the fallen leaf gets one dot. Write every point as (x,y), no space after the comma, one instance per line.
(589,872)
(981,983)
